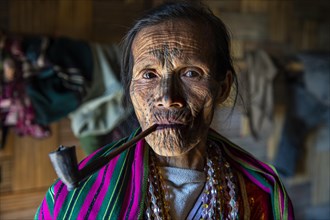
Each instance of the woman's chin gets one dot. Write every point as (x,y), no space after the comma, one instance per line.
(172,140)
(167,152)
(169,146)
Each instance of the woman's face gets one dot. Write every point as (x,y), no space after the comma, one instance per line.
(173,84)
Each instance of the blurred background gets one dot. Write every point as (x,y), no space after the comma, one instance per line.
(59,66)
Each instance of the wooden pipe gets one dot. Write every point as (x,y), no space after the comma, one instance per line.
(64,161)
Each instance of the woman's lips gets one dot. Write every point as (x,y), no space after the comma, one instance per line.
(173,125)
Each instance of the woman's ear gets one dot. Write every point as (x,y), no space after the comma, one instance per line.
(225,86)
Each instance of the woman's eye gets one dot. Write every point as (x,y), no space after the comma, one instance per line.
(191,73)
(149,75)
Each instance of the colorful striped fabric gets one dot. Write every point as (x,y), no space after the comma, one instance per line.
(262,174)
(119,189)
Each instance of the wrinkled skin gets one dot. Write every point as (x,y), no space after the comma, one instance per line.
(173,85)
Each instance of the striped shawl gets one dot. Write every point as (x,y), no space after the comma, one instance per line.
(119,189)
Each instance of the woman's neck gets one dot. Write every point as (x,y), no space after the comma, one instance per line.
(193,159)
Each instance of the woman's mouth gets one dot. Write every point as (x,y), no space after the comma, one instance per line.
(172,125)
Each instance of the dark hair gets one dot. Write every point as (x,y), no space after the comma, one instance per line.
(179,10)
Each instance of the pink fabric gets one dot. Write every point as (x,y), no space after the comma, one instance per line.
(45,211)
(64,192)
(255,181)
(17,111)
(61,197)
(98,202)
(138,175)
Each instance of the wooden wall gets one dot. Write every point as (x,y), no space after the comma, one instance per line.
(94,20)
(299,24)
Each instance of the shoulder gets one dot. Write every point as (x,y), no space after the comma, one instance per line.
(99,186)
(244,162)
(101,153)
(261,179)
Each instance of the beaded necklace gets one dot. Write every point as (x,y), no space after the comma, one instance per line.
(219,197)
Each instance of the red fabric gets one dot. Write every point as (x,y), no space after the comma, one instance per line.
(259,202)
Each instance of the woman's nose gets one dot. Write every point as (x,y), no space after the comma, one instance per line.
(170,94)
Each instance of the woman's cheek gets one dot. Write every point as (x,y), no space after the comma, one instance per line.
(142,102)
(199,98)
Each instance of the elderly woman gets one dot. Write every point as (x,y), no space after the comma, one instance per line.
(176,68)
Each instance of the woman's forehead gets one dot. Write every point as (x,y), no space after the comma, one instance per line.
(174,38)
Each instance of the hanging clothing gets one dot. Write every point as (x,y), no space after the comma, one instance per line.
(308,109)
(58,85)
(16,107)
(119,190)
(102,110)
(18,112)
(261,72)
(55,71)
(91,143)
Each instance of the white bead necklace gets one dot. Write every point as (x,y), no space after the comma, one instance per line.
(219,198)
